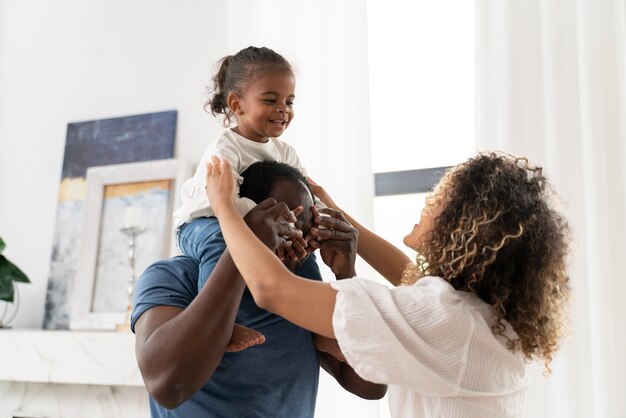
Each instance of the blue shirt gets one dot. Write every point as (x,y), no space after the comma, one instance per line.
(276,379)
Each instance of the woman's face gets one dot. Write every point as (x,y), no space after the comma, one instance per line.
(415,239)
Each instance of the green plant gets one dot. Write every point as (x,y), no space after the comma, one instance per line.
(9,273)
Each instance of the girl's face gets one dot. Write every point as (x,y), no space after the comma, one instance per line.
(415,239)
(265,109)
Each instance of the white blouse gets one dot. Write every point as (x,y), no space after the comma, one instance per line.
(433,346)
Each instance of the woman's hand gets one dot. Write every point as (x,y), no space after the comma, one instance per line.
(220,184)
(336,239)
(321,194)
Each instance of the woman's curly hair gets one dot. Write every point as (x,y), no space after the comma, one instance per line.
(498,236)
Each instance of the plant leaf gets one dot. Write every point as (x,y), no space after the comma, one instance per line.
(10,270)
(6,288)
(2,244)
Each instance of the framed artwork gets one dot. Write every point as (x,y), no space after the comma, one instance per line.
(88,144)
(127,226)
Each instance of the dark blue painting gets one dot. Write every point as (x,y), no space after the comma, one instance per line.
(89,144)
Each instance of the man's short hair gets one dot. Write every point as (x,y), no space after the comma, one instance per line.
(259,179)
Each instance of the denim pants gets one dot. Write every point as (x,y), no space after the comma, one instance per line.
(202,240)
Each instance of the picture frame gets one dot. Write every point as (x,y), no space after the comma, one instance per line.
(116,140)
(122,197)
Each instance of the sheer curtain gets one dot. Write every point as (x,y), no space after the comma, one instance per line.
(551,85)
(326,42)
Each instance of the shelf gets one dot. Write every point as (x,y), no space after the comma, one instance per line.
(69,357)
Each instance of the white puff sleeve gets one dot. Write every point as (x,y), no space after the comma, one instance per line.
(414,336)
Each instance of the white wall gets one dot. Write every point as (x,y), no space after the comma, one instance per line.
(72,60)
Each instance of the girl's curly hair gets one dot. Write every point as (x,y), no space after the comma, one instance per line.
(498,236)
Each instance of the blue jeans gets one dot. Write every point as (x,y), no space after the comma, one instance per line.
(202,240)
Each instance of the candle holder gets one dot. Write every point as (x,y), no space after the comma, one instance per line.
(131,232)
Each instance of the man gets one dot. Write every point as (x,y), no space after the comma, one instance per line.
(182,334)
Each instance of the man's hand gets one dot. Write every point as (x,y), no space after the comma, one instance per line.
(337,241)
(273,224)
(297,252)
(328,345)
(334,362)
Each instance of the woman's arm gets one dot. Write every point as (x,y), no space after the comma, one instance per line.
(308,304)
(383,256)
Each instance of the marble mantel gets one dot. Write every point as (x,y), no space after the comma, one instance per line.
(57,374)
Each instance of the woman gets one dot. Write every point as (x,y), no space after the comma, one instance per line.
(487,294)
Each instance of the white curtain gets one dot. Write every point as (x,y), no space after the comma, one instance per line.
(326,42)
(551,85)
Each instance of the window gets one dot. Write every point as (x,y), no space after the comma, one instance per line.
(421,68)
(421,63)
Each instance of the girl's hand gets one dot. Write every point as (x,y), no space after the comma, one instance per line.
(321,194)
(220,183)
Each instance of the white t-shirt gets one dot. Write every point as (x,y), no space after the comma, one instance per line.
(241,153)
(433,346)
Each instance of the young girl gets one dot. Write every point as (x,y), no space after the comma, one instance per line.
(488,292)
(256,89)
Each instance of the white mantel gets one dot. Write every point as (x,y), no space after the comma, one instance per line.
(69,374)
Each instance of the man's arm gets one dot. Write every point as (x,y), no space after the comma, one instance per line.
(179,349)
(343,373)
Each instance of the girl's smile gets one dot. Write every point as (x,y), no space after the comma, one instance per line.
(265,109)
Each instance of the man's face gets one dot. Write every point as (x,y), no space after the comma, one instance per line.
(294,194)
